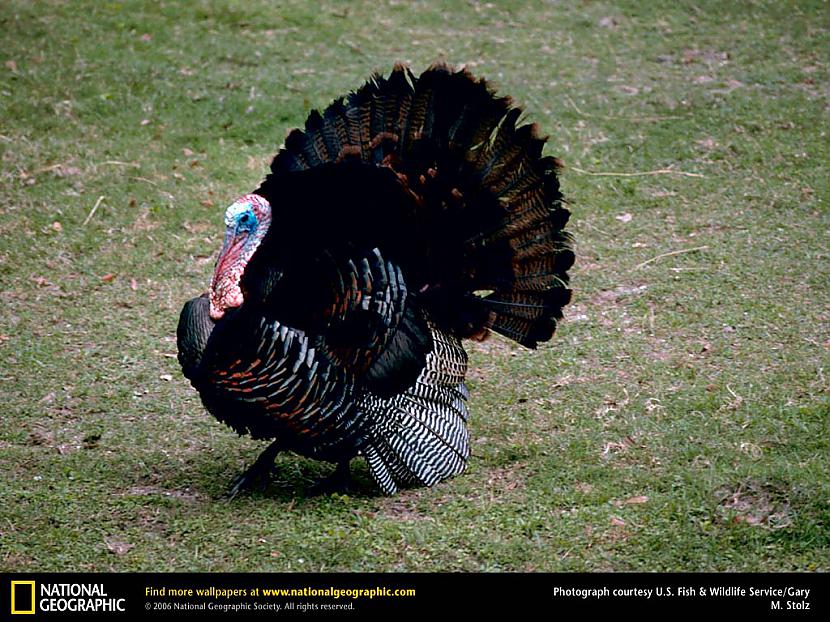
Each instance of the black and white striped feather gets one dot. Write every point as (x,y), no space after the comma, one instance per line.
(420,436)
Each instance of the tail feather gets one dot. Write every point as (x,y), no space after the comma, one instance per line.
(395,105)
(477,170)
(319,132)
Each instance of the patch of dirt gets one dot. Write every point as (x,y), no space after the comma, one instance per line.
(585,265)
(151,520)
(402,507)
(403,511)
(708,56)
(507,478)
(117,545)
(494,344)
(16,560)
(661,354)
(611,448)
(43,437)
(143,221)
(759,504)
(638,500)
(610,296)
(619,531)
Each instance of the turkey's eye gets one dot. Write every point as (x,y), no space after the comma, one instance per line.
(247,221)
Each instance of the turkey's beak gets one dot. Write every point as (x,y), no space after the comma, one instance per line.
(225,292)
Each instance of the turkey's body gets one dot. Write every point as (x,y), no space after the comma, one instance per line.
(408,216)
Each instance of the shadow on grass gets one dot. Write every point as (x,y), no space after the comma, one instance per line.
(292,478)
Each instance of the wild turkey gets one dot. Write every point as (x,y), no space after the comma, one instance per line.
(407,216)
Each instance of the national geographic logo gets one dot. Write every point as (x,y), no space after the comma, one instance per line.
(62,598)
(23,597)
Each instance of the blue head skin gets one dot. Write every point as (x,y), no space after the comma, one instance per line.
(246,223)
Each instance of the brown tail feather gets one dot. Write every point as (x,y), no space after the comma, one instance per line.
(460,148)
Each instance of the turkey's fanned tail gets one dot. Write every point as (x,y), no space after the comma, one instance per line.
(489,203)
(420,436)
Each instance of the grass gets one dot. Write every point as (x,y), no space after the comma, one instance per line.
(679,420)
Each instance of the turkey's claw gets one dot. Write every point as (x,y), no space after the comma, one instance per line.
(336,482)
(257,474)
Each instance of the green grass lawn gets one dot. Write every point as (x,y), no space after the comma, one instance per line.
(679,419)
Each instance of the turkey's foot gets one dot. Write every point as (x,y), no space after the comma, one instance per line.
(336,482)
(257,474)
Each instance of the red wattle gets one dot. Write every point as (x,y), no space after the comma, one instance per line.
(225,292)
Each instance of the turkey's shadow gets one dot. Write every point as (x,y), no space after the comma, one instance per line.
(292,477)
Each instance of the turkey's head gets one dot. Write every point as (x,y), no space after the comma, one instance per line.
(246,222)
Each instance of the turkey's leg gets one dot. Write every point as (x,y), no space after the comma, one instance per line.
(257,473)
(336,482)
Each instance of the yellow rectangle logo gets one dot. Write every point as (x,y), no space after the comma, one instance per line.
(23,605)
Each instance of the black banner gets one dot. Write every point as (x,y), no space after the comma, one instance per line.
(64,596)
